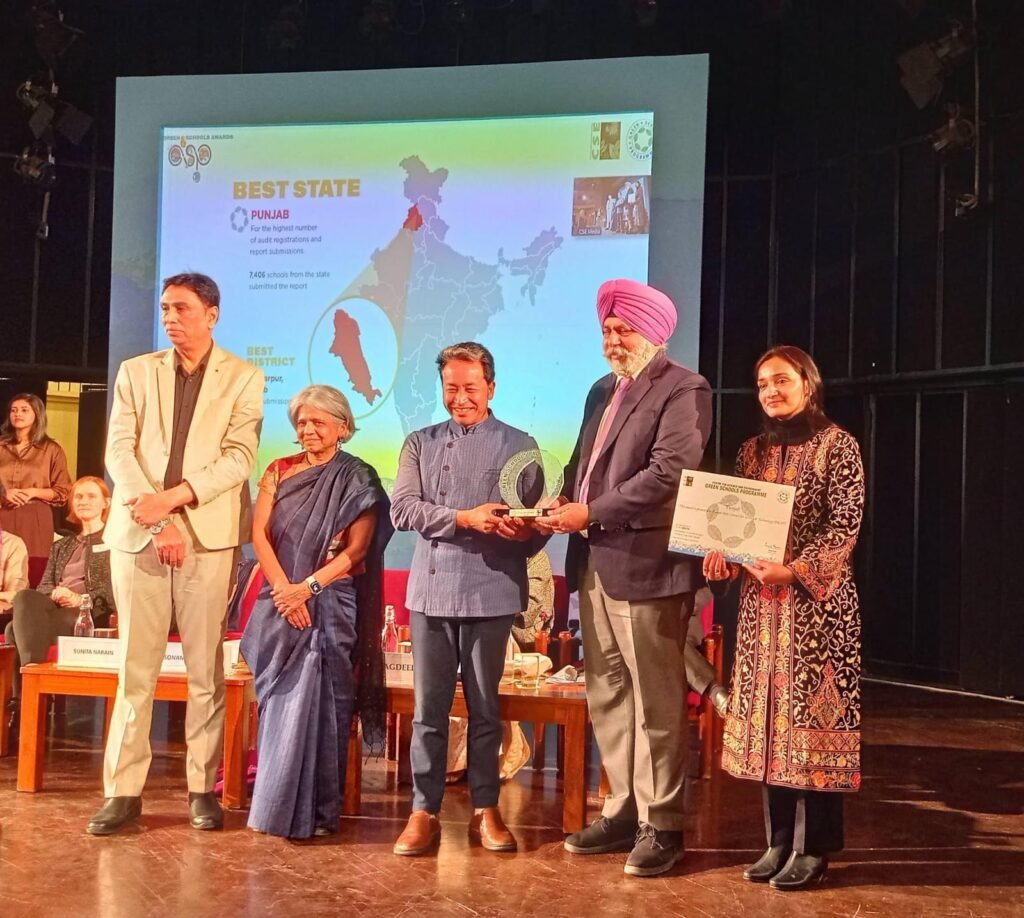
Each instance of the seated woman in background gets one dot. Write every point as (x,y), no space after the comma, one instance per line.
(319,530)
(34,470)
(78,565)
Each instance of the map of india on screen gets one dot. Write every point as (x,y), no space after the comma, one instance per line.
(351,254)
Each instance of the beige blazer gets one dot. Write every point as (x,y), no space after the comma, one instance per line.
(220,451)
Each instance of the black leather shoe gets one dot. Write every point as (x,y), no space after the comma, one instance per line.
(770,863)
(116,813)
(204,811)
(800,871)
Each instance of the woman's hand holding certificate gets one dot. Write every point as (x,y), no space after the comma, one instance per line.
(744,519)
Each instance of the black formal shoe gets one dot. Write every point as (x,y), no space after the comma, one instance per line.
(800,871)
(116,813)
(601,836)
(770,863)
(204,811)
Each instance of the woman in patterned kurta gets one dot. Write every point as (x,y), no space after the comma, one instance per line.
(794,706)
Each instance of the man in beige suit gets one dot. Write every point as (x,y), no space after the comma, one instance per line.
(181,445)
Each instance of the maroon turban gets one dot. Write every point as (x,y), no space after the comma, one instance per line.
(644,309)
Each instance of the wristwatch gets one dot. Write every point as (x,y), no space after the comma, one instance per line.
(157,528)
(314,585)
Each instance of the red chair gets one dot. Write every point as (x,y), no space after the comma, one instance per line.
(36,569)
(394,586)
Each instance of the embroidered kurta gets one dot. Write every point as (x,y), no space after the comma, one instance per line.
(794,707)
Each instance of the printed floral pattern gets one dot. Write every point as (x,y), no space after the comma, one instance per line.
(794,710)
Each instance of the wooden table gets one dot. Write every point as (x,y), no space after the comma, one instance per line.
(550,704)
(41,680)
(7,656)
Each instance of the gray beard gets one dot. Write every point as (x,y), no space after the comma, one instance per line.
(634,361)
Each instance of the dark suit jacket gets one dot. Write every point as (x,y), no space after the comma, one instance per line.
(661,427)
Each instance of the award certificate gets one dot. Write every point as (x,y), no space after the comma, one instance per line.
(745,519)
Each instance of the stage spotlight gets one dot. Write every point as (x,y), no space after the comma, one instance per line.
(49,114)
(646,12)
(956,134)
(36,166)
(61,46)
(924,66)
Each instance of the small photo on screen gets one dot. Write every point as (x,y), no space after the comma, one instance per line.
(617,205)
(605,139)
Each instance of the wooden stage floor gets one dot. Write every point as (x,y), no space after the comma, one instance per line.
(938,830)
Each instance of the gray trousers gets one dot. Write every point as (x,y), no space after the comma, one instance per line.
(636,690)
(439,646)
(38,621)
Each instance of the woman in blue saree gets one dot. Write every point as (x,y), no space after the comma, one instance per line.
(319,530)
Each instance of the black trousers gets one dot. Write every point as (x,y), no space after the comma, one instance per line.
(808,821)
(439,646)
(38,621)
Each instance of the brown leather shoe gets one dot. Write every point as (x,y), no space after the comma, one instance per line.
(422,833)
(488,828)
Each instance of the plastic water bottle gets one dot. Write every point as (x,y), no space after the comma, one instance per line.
(389,636)
(84,626)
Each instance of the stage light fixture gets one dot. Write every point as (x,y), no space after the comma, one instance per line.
(59,45)
(50,115)
(957,133)
(924,66)
(36,166)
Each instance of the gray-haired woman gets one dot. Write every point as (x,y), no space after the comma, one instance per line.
(319,530)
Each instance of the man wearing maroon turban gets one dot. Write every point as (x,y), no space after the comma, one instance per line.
(643,423)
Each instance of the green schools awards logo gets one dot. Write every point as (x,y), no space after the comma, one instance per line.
(640,139)
(185,154)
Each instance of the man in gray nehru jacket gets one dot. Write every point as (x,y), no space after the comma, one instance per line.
(468,582)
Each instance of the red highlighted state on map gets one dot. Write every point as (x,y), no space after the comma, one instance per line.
(413,220)
(349,348)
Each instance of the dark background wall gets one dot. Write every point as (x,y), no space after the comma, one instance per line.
(830,223)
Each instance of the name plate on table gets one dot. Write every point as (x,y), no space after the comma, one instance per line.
(106,653)
(745,519)
(398,669)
